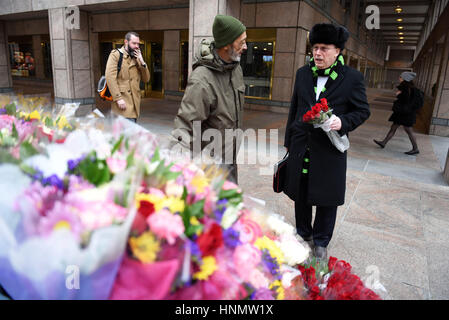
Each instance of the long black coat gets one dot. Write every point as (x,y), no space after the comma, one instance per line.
(407,115)
(327,171)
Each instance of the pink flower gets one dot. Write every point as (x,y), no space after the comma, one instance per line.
(246,257)
(249,230)
(228,185)
(166,225)
(60,217)
(43,198)
(257,279)
(94,215)
(116,165)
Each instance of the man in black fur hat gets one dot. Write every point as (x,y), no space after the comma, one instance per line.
(316,168)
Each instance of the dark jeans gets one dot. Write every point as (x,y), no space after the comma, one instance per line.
(323,226)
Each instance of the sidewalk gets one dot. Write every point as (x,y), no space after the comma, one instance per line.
(396,214)
(394,222)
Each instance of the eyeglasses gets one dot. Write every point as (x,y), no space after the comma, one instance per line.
(323,48)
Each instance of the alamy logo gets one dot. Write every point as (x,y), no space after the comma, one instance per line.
(373,20)
(72,281)
(72,18)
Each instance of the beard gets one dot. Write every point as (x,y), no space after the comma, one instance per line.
(131,51)
(234,56)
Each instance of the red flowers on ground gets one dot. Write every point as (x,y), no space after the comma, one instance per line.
(341,284)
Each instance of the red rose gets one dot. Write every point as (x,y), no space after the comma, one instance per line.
(316,109)
(332,261)
(146,208)
(323,101)
(325,108)
(211,240)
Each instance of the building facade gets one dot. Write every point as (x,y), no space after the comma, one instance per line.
(42,41)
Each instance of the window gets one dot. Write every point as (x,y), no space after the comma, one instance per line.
(22,59)
(257,62)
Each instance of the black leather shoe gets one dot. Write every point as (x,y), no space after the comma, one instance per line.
(321,253)
(412,152)
(379,144)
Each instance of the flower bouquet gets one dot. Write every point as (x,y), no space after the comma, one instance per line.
(333,281)
(65,217)
(195,238)
(321,117)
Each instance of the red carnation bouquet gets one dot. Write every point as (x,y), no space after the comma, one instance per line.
(321,116)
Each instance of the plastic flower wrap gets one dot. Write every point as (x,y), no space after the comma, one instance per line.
(64,227)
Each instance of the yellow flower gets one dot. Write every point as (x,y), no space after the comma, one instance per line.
(145,247)
(62,225)
(274,251)
(194,222)
(35,115)
(173,204)
(63,123)
(200,182)
(207,268)
(277,285)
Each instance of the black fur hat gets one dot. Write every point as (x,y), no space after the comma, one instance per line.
(329,34)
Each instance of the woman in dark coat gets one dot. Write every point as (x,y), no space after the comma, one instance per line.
(403,113)
(316,169)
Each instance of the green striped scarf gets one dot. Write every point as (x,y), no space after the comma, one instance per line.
(331,72)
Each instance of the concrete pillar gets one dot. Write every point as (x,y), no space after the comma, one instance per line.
(71,61)
(171,65)
(201,18)
(5,68)
(440,117)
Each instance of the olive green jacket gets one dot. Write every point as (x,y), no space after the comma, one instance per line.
(126,85)
(215,96)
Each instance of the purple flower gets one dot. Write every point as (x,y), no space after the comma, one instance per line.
(262,294)
(271,264)
(195,250)
(221,208)
(53,180)
(72,164)
(2,110)
(231,238)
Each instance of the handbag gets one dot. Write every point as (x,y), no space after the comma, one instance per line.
(280,173)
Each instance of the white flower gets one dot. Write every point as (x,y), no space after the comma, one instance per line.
(230,215)
(294,252)
(288,274)
(279,226)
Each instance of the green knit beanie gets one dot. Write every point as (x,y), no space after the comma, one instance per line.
(226,29)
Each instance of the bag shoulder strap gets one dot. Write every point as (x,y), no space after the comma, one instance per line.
(120,61)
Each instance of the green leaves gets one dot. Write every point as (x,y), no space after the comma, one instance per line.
(94,170)
(195,210)
(233,196)
(27,150)
(11,109)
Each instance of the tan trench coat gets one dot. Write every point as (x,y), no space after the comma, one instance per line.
(127,85)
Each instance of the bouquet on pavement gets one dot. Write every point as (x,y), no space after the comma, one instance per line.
(321,117)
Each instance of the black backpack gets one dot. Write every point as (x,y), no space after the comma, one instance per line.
(102,87)
(418,99)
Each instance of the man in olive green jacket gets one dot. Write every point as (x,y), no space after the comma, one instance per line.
(125,86)
(214,96)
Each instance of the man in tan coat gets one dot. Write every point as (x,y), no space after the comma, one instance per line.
(214,97)
(125,86)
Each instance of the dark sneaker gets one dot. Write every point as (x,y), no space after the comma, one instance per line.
(321,253)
